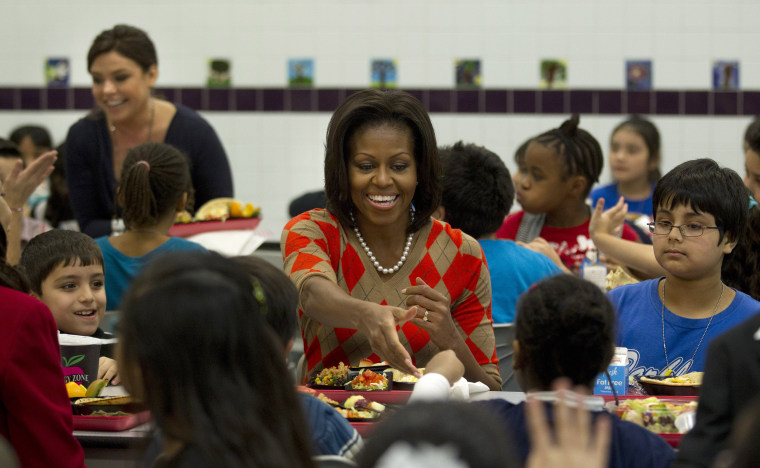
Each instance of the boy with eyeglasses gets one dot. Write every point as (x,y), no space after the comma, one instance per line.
(667,323)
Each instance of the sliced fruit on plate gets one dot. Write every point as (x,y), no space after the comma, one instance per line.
(220,209)
(95,388)
(76,390)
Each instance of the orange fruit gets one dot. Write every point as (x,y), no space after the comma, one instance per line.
(236,210)
(76,390)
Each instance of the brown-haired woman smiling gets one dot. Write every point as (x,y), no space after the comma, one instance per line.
(124,69)
(377,277)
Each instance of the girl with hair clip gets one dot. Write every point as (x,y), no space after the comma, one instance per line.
(378,278)
(155,186)
(634,162)
(123,64)
(217,387)
(553,179)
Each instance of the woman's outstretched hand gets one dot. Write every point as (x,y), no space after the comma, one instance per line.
(379,326)
(572,442)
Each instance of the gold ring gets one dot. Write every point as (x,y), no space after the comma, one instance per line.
(425,317)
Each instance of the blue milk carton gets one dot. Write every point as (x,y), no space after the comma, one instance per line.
(618,370)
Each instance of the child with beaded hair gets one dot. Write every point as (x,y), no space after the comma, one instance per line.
(667,323)
(155,186)
(554,176)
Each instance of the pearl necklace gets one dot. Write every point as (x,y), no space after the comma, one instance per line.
(371,255)
(662,316)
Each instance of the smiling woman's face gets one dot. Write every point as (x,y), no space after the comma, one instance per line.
(120,86)
(383,175)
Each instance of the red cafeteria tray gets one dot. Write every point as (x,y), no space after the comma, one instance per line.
(232,224)
(673,439)
(110,423)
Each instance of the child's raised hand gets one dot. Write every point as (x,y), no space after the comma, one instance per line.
(108,370)
(446,364)
(22,182)
(572,443)
(607,222)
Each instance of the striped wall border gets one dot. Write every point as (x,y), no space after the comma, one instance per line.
(481,101)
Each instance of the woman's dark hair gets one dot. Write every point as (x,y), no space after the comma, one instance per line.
(276,294)
(466,431)
(707,188)
(477,188)
(194,341)
(565,327)
(129,41)
(374,108)
(39,135)
(154,178)
(577,148)
(9,276)
(651,136)
(741,268)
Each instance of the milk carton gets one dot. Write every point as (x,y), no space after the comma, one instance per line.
(618,370)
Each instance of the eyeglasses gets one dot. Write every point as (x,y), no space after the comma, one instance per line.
(663,228)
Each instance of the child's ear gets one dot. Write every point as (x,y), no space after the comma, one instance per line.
(578,186)
(181,203)
(728,246)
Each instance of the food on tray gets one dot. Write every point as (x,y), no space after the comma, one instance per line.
(653,413)
(401,377)
(332,376)
(76,390)
(220,209)
(183,217)
(691,379)
(104,401)
(359,402)
(618,277)
(108,413)
(96,388)
(368,380)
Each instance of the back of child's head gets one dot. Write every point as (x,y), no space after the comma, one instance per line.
(57,248)
(705,187)
(577,149)
(741,268)
(651,136)
(9,149)
(39,136)
(752,136)
(477,188)
(276,294)
(565,327)
(195,346)
(439,434)
(154,178)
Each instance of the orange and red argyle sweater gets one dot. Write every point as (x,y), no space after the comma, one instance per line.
(314,243)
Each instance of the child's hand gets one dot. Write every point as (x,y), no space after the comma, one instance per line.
(607,222)
(540,245)
(572,443)
(107,370)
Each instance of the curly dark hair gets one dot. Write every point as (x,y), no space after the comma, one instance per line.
(477,188)
(374,108)
(578,149)
(565,327)
(741,268)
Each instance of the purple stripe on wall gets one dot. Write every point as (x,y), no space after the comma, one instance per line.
(492,101)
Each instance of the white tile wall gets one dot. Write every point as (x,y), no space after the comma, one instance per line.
(278,156)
